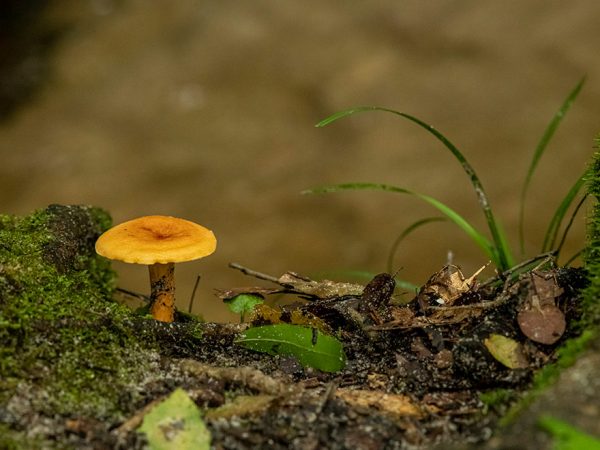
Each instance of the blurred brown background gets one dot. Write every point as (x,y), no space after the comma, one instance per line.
(206,110)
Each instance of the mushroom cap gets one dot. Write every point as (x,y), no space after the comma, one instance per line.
(156,239)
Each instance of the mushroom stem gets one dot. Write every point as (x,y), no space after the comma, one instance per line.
(162,284)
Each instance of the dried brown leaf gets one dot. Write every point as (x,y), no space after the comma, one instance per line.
(321,289)
(546,288)
(448,285)
(539,319)
(545,325)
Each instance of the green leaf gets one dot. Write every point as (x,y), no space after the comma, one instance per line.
(568,437)
(475,235)
(504,259)
(539,151)
(175,424)
(310,347)
(243,304)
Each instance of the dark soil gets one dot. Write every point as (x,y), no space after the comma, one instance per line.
(81,371)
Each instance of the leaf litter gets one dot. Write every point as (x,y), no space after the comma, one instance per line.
(415,368)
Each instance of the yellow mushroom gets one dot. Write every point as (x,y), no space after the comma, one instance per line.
(158,242)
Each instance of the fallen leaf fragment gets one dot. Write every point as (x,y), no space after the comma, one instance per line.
(175,424)
(321,289)
(545,325)
(539,319)
(506,351)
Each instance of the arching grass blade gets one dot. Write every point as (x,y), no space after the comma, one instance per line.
(539,151)
(412,227)
(568,227)
(573,257)
(504,258)
(475,235)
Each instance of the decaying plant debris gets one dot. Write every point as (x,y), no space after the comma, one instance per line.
(81,371)
(423,364)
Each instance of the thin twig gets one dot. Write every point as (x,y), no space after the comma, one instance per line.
(254,273)
(193,294)
(482,305)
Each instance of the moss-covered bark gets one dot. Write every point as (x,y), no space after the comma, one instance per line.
(66,347)
(592,253)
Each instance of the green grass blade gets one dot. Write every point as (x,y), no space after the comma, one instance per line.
(504,258)
(408,230)
(554,226)
(566,436)
(475,235)
(539,151)
(573,257)
(568,227)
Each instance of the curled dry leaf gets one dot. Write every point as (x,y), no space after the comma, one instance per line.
(448,285)
(545,286)
(321,289)
(293,283)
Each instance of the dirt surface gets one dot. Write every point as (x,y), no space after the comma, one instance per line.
(348,366)
(205,110)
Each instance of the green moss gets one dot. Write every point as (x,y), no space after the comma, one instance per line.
(566,356)
(590,314)
(497,397)
(67,347)
(591,295)
(16,440)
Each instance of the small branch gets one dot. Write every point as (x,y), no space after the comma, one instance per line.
(482,305)
(253,273)
(193,294)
